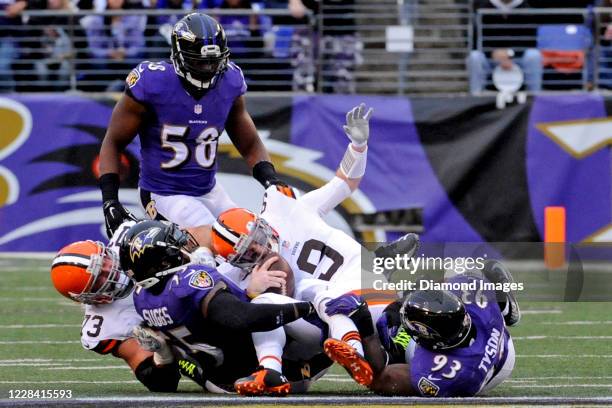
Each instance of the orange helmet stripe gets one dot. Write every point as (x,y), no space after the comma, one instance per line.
(225,233)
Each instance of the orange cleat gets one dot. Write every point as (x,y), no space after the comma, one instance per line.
(264,381)
(345,355)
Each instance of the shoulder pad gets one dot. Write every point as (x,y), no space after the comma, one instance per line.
(234,76)
(136,81)
(195,278)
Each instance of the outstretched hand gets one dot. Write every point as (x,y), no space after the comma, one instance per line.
(357,126)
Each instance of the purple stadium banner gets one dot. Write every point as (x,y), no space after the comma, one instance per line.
(480,174)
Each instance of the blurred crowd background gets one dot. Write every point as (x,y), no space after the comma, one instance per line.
(329,46)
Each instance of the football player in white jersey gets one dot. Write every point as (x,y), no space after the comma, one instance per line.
(89,272)
(326,262)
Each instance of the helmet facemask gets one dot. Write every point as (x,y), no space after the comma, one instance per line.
(253,247)
(107,281)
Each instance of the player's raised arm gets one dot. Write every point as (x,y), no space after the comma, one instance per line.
(357,128)
(122,129)
(352,167)
(242,132)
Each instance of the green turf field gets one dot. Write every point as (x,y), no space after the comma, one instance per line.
(563,349)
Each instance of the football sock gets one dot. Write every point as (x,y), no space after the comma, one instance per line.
(269,347)
(342,327)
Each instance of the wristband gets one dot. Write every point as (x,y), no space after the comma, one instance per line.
(353,163)
(109,184)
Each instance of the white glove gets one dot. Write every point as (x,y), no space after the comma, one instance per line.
(203,256)
(357,126)
(150,340)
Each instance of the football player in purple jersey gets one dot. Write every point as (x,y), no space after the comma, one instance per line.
(203,313)
(440,343)
(179,109)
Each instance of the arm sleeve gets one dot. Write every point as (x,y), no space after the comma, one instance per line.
(227,310)
(158,378)
(326,198)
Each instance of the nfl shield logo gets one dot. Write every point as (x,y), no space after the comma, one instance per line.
(197,109)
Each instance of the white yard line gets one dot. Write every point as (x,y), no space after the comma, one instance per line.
(344,400)
(22,268)
(28,288)
(566,378)
(567,356)
(32,364)
(543,311)
(111,367)
(32,299)
(36,326)
(561,386)
(578,323)
(562,337)
(46,256)
(57,360)
(11,342)
(71,382)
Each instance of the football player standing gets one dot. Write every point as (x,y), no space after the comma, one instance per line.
(179,110)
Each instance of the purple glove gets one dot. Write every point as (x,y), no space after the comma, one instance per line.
(385,331)
(346,304)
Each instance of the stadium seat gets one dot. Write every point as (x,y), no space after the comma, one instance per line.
(282,41)
(564,47)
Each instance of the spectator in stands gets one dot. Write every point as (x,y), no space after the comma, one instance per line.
(115,37)
(480,65)
(48,49)
(341,45)
(605,47)
(116,42)
(185,5)
(9,25)
(56,49)
(241,30)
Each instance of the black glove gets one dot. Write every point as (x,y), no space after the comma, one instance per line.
(115,215)
(265,173)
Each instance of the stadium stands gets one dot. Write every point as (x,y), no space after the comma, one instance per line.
(348,46)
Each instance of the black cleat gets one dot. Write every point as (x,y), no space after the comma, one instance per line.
(263,381)
(405,245)
(497,272)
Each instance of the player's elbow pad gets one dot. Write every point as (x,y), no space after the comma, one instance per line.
(158,378)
